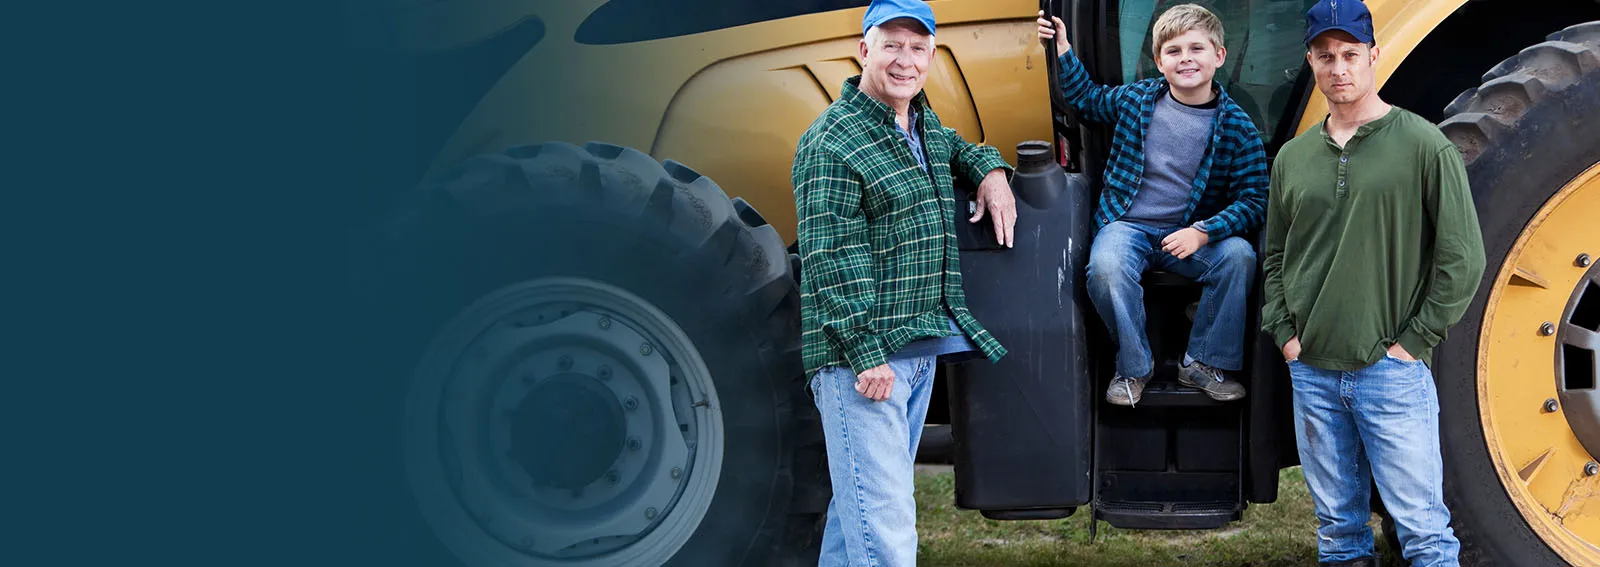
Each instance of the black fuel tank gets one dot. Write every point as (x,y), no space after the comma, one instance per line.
(1022,427)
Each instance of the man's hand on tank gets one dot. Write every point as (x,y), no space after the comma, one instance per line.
(994,197)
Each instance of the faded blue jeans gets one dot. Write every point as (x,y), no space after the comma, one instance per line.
(872,519)
(1117,260)
(1382,423)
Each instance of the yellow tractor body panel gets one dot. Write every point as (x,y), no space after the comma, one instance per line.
(1400,25)
(732,103)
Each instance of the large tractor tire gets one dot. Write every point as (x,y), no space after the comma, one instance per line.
(601,359)
(1520,415)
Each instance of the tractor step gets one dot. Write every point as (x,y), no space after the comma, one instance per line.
(1030,514)
(1135,515)
(1169,393)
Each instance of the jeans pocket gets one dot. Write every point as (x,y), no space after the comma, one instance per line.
(1393,358)
(1407,384)
(824,373)
(1296,368)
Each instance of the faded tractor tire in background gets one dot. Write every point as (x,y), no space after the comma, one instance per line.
(603,366)
(1530,134)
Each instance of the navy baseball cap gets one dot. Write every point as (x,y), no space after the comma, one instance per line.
(884,10)
(1345,15)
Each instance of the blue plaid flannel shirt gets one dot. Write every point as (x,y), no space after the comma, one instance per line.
(1229,193)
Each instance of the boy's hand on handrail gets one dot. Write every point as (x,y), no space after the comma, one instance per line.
(1058,31)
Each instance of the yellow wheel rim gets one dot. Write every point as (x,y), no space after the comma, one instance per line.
(1540,460)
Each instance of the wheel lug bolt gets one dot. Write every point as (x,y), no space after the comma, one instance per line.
(605,373)
(645,349)
(677,473)
(650,513)
(1583,260)
(605,322)
(565,363)
(1550,405)
(613,478)
(1591,469)
(634,444)
(631,404)
(1547,329)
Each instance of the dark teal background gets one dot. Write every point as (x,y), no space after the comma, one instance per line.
(189,372)
(182,382)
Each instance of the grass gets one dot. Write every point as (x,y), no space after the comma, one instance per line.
(1279,534)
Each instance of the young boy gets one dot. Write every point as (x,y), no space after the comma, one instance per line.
(1186,180)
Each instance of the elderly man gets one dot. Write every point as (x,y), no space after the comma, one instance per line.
(880,288)
(1373,251)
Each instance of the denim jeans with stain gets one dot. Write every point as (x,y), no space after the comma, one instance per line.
(1378,423)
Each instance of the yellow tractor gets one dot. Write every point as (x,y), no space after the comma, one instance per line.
(592,307)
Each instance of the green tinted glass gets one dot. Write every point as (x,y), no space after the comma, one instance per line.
(1266,51)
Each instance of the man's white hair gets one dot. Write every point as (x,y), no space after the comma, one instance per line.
(875,37)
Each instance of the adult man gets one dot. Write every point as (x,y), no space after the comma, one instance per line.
(1373,250)
(881,295)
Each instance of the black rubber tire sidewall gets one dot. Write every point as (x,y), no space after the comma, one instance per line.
(459,244)
(1514,176)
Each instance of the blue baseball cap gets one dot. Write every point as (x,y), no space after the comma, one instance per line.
(1349,16)
(884,10)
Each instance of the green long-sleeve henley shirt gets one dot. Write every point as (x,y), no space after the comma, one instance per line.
(1369,245)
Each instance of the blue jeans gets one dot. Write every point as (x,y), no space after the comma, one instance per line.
(1118,258)
(872,519)
(1382,423)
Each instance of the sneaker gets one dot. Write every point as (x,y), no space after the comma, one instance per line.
(1211,381)
(1125,391)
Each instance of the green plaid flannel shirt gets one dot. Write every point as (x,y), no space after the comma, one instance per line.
(878,255)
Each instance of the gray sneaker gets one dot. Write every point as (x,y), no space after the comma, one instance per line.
(1125,391)
(1211,381)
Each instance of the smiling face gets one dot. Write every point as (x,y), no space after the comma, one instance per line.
(1189,60)
(1344,67)
(895,57)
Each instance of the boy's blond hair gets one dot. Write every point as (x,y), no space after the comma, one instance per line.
(1182,18)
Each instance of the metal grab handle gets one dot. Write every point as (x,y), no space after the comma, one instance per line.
(1057,99)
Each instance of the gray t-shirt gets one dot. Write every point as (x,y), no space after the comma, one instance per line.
(1173,148)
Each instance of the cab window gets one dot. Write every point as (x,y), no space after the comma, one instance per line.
(1266,53)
